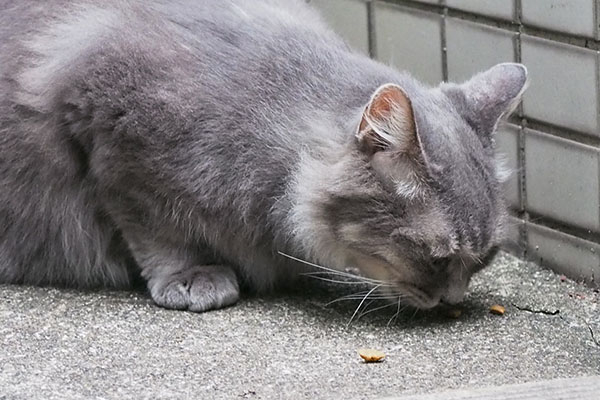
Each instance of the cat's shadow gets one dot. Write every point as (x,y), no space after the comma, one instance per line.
(336,305)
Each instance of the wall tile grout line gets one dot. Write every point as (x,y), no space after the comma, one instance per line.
(372,39)
(416,5)
(597,3)
(444,45)
(597,26)
(597,18)
(548,222)
(517,12)
(561,37)
(562,132)
(521,143)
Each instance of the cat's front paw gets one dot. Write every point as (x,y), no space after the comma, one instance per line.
(197,289)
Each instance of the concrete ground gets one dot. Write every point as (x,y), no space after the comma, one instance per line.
(114,345)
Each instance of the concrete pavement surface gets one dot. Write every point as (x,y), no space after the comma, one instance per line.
(586,388)
(57,344)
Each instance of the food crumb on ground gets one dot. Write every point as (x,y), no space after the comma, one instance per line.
(454,313)
(371,355)
(497,309)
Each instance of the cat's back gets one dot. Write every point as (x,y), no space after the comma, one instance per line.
(231,44)
(226,21)
(20,21)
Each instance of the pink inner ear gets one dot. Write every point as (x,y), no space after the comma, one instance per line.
(389,103)
(389,99)
(389,110)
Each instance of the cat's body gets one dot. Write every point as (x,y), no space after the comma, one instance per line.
(191,139)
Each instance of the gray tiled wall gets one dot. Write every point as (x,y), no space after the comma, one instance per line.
(563,86)
(503,9)
(469,51)
(352,23)
(574,17)
(407,37)
(553,140)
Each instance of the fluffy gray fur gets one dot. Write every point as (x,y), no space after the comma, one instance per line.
(195,140)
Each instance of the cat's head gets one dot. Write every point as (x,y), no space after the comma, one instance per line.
(424,206)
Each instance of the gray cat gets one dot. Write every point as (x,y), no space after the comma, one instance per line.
(195,141)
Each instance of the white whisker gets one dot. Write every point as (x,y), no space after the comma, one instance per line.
(464,267)
(397,312)
(351,296)
(359,298)
(333,271)
(361,303)
(365,308)
(414,314)
(374,309)
(341,282)
(356,278)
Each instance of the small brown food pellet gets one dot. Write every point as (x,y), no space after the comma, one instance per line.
(454,313)
(370,355)
(497,309)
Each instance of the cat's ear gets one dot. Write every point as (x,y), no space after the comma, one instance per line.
(492,94)
(387,122)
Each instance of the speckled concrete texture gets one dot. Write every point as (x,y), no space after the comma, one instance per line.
(57,344)
(582,388)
